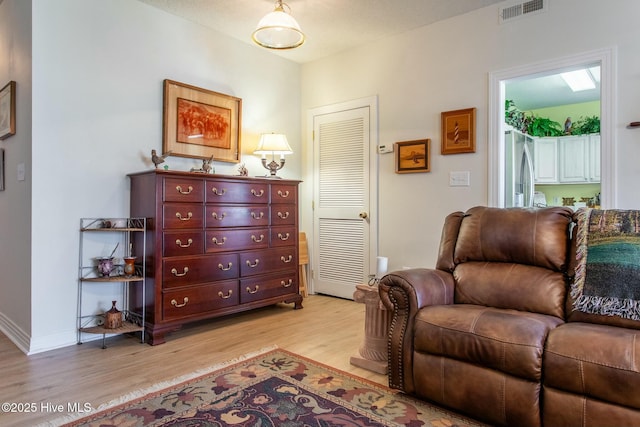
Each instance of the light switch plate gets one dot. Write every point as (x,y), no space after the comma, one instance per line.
(459,179)
(21,172)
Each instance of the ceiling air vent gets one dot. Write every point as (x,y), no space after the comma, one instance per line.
(521,9)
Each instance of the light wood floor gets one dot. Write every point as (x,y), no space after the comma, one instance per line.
(328,330)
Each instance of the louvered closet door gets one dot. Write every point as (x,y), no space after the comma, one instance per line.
(341,212)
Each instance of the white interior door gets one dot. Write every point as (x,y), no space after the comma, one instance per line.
(344,209)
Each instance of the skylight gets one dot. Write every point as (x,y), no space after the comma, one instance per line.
(579,80)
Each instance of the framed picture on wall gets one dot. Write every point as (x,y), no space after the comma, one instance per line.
(1,169)
(8,110)
(413,156)
(459,131)
(200,123)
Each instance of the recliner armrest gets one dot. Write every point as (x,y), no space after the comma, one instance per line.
(404,292)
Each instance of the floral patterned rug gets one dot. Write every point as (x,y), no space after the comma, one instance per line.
(276,388)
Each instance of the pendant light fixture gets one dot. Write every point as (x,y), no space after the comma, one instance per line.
(278,29)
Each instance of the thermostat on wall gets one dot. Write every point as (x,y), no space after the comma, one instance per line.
(383,149)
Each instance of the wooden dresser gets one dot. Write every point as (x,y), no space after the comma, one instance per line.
(215,245)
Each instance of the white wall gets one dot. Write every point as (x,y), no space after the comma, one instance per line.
(98,69)
(445,66)
(15,201)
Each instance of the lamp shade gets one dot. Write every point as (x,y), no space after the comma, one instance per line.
(278,30)
(273,143)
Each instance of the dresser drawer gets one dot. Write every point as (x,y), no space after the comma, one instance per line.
(189,271)
(178,243)
(283,214)
(237,216)
(183,190)
(196,300)
(222,239)
(258,288)
(236,192)
(182,215)
(258,262)
(283,236)
(283,193)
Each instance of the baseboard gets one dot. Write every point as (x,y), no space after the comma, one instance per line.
(17,336)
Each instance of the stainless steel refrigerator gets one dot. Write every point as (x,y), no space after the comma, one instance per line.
(519,184)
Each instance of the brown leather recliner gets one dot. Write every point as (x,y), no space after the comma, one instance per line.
(491,331)
(470,334)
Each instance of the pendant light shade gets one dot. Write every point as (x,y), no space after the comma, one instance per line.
(278,30)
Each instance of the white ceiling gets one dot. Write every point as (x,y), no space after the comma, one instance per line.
(329,25)
(332,26)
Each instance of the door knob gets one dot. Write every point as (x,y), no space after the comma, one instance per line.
(363,215)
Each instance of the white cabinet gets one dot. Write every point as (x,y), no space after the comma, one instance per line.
(573,155)
(594,158)
(567,159)
(545,160)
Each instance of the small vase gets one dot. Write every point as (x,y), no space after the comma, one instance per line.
(113,317)
(105,266)
(129,266)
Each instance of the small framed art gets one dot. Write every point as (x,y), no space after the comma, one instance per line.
(1,169)
(8,110)
(459,131)
(200,123)
(413,156)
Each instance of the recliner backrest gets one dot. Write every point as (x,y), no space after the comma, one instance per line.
(509,258)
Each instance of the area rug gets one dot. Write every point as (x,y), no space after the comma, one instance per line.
(276,388)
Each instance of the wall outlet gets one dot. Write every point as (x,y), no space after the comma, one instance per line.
(385,148)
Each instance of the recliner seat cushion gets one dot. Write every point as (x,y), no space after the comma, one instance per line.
(596,361)
(509,341)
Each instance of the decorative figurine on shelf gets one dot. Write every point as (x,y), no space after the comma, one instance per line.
(206,166)
(158,159)
(568,126)
(242,170)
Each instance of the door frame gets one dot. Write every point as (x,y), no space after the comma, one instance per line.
(370,102)
(607,59)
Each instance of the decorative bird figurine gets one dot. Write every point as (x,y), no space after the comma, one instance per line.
(158,159)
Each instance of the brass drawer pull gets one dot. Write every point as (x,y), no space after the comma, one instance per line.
(254,290)
(227,268)
(283,195)
(286,260)
(179,243)
(217,192)
(253,265)
(256,239)
(223,296)
(283,215)
(215,215)
(181,218)
(215,241)
(184,272)
(283,237)
(179,190)
(287,284)
(174,303)
(257,216)
(257,193)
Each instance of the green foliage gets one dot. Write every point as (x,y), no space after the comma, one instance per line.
(541,126)
(514,117)
(586,125)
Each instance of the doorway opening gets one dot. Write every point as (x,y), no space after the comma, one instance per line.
(507,83)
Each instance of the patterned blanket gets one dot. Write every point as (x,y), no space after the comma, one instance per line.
(607,279)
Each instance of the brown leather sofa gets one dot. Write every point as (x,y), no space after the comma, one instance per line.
(491,332)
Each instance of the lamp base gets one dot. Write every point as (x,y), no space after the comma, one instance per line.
(269,176)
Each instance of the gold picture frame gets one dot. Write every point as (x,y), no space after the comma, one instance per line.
(200,123)
(413,156)
(459,131)
(8,110)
